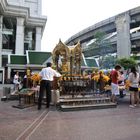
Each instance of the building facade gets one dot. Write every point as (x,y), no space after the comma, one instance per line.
(21,29)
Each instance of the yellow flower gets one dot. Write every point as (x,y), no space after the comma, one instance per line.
(96,78)
(105,78)
(36,77)
(127,84)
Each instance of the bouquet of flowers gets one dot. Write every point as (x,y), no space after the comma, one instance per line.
(96,77)
(35,78)
(99,75)
(127,84)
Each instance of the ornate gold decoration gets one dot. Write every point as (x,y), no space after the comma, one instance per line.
(67,58)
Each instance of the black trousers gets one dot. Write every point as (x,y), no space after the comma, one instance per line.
(44,85)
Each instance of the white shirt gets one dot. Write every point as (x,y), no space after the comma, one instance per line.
(16,78)
(134,80)
(48,73)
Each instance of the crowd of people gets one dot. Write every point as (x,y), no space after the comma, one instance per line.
(114,78)
(118,79)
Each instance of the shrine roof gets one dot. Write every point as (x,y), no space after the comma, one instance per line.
(83,62)
(37,57)
(30,59)
(91,62)
(88,62)
(17,59)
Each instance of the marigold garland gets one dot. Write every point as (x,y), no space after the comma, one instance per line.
(36,77)
(127,84)
(97,77)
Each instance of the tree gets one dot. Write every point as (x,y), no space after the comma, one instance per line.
(109,61)
(127,63)
(102,43)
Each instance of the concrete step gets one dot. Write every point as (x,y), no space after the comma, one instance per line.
(87,106)
(69,100)
(85,96)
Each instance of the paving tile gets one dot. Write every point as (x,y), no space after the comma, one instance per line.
(121,123)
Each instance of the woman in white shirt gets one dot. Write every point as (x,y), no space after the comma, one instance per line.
(134,93)
(16,81)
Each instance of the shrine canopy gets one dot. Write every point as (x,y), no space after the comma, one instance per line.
(67,59)
(70,59)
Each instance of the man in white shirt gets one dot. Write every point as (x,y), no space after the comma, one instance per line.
(47,74)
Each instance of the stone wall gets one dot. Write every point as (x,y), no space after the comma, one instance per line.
(34,5)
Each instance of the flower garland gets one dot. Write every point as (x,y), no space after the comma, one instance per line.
(127,84)
(100,75)
(35,77)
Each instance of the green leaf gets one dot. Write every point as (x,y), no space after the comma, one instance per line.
(127,63)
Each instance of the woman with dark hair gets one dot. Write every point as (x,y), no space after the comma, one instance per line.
(134,83)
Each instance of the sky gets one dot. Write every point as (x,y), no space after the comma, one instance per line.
(67,17)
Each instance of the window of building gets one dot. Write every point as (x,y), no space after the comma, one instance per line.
(29,40)
(9,33)
(4,60)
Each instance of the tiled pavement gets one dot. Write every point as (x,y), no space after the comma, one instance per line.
(121,123)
